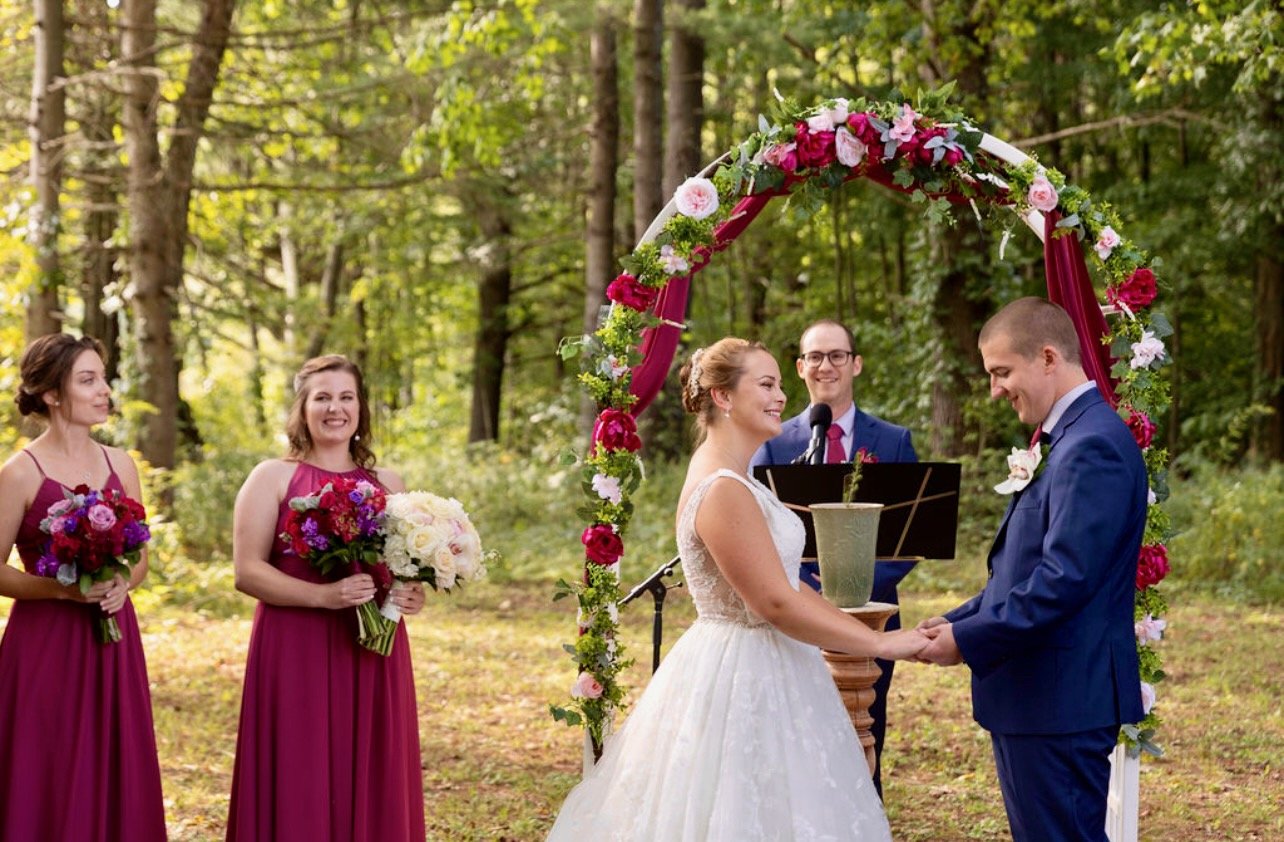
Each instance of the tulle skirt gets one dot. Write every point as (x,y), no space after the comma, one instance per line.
(741,735)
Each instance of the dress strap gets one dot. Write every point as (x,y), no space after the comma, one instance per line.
(39,467)
(111,469)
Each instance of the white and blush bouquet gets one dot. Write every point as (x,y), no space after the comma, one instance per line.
(429,539)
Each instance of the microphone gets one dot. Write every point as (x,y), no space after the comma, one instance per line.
(820,419)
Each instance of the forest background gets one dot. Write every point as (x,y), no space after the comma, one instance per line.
(219,189)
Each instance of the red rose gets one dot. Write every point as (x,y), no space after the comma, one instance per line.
(626,290)
(865,457)
(815,149)
(1143,429)
(1152,565)
(866,133)
(616,430)
(953,156)
(602,545)
(1136,292)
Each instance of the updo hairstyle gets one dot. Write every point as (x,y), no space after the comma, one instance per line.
(719,366)
(45,367)
(296,425)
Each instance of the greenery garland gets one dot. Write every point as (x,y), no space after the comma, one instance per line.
(931,151)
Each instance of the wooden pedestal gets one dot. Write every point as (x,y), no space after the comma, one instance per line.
(855,676)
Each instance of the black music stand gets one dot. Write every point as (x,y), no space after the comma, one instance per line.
(920,500)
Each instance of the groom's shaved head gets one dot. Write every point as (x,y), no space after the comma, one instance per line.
(1029,324)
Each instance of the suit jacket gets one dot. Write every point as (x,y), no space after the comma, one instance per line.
(888,442)
(1050,639)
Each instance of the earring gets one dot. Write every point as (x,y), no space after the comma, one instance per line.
(357,437)
(726,413)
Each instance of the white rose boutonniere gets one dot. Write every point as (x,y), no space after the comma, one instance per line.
(1023,467)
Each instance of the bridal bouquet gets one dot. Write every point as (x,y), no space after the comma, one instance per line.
(430,539)
(93,535)
(337,529)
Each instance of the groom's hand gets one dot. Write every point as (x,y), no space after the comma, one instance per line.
(942,651)
(931,622)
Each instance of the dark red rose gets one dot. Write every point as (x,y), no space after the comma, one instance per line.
(1136,292)
(625,290)
(601,544)
(953,156)
(1143,429)
(1152,565)
(815,149)
(616,430)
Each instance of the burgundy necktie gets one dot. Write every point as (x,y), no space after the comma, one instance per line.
(834,453)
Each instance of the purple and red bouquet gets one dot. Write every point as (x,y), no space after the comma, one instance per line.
(339,531)
(93,536)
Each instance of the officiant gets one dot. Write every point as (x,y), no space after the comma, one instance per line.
(829,365)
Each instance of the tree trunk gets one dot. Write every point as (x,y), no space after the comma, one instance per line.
(493,296)
(159,192)
(46,129)
(1268,299)
(98,271)
(331,276)
(648,112)
(682,157)
(604,143)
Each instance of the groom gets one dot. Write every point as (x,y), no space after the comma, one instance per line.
(1050,638)
(828,364)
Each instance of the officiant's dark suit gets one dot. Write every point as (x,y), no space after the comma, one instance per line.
(1050,639)
(832,384)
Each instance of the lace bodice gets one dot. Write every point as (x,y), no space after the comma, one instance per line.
(714,597)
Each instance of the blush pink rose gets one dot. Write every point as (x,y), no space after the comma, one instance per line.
(1152,565)
(1106,243)
(101,517)
(626,290)
(1042,195)
(849,148)
(601,544)
(782,155)
(586,687)
(696,197)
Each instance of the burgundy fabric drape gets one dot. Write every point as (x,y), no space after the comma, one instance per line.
(660,343)
(1070,286)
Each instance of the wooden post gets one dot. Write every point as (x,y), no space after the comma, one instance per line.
(855,676)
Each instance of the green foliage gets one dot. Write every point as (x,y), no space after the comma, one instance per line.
(1230,533)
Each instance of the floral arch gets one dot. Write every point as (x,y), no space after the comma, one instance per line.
(936,154)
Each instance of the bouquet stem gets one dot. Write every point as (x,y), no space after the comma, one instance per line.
(374,631)
(108,630)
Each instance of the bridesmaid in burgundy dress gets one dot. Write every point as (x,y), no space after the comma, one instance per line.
(328,744)
(77,748)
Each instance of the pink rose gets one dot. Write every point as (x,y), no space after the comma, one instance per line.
(617,430)
(601,544)
(625,290)
(1152,565)
(815,149)
(1147,698)
(1136,292)
(953,155)
(1042,195)
(1142,428)
(1149,629)
(782,155)
(696,197)
(1106,243)
(586,687)
(101,517)
(849,149)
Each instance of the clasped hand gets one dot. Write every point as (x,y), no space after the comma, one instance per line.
(109,595)
(359,589)
(941,650)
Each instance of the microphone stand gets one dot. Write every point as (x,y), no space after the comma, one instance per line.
(655,585)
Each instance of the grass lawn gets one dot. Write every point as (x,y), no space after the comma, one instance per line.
(488,662)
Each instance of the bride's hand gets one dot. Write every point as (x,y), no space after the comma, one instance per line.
(902,644)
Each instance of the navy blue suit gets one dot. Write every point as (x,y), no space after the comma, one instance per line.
(1050,639)
(889,443)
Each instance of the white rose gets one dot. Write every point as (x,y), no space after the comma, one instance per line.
(1021,467)
(1149,349)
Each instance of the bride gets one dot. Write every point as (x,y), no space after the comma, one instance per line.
(741,734)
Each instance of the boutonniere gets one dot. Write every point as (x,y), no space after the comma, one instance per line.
(1024,464)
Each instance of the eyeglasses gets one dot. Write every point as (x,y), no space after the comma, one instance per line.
(814,359)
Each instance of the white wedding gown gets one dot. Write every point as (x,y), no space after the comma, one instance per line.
(740,735)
